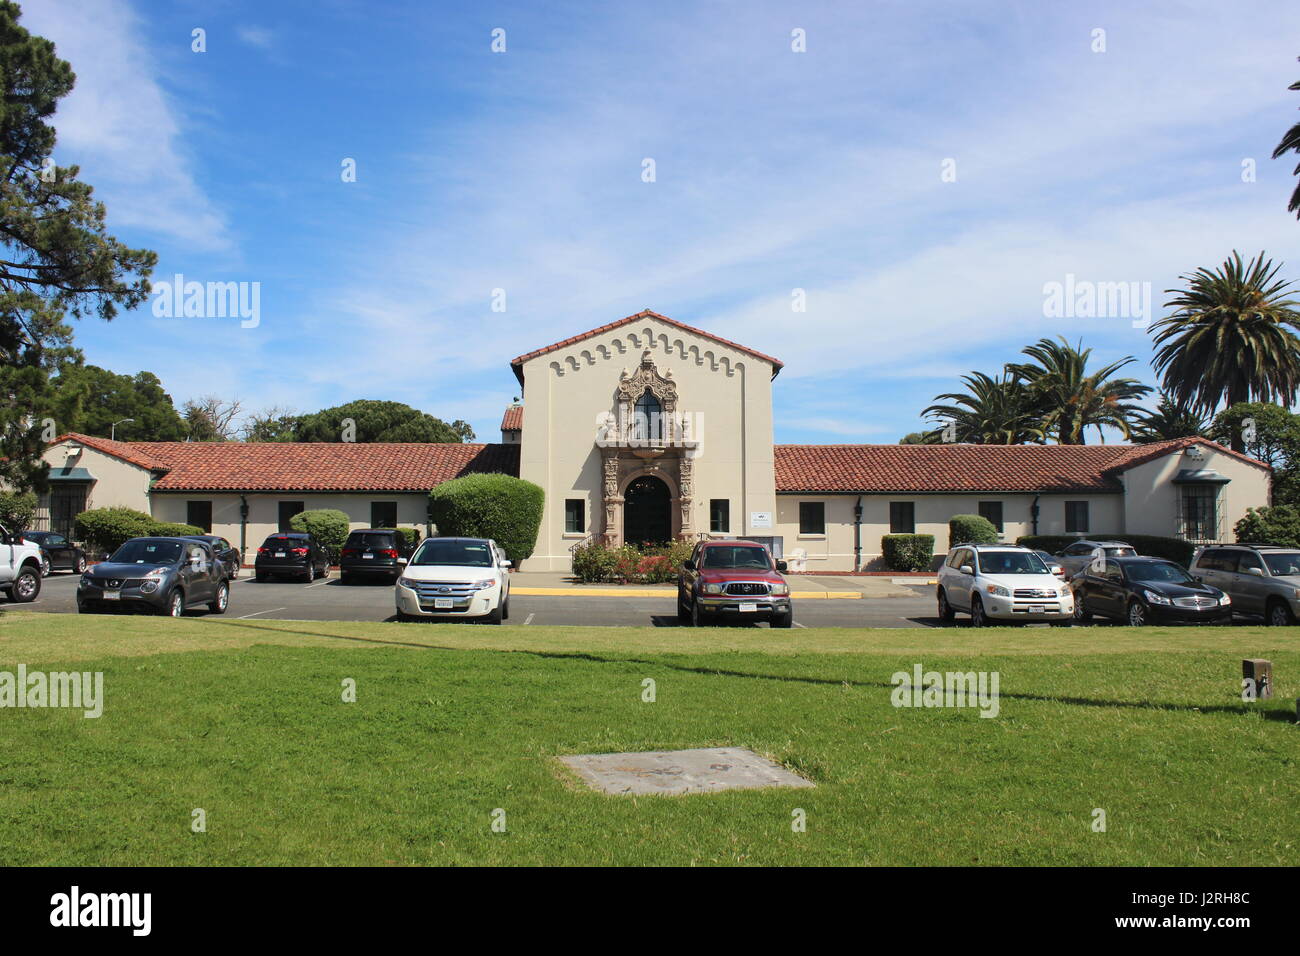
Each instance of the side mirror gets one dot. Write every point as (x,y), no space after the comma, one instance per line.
(1255,571)
(688,564)
(506,564)
(401,560)
(966,569)
(781,566)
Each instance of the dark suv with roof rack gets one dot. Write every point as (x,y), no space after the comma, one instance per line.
(1262,579)
(294,553)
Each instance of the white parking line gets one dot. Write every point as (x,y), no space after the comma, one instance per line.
(255,613)
(529,619)
(797,624)
(321,584)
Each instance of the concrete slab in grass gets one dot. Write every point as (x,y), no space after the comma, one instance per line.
(682,771)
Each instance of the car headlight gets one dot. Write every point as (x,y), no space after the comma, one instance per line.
(713,589)
(149,585)
(1066,592)
(780,590)
(997,590)
(484,584)
(86,580)
(1226,599)
(406,582)
(1155,598)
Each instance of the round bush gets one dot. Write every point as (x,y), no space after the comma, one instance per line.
(173,529)
(907,552)
(971,529)
(1279,524)
(104,529)
(17,509)
(328,526)
(501,507)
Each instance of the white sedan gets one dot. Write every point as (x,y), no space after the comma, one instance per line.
(455,578)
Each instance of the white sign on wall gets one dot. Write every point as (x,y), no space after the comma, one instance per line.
(760,519)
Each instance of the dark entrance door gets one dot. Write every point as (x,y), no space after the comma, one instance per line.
(647,514)
(67,500)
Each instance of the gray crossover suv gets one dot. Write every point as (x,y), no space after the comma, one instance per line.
(1263,580)
(159,575)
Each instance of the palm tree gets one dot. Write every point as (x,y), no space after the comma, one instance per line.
(992,412)
(1069,399)
(1230,338)
(1170,420)
(1291,141)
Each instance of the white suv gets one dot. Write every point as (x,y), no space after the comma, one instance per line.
(20,567)
(455,578)
(1002,582)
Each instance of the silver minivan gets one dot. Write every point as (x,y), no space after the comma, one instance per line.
(1263,580)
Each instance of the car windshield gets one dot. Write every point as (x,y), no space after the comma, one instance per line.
(143,551)
(465,554)
(1161,572)
(1282,563)
(1011,562)
(747,557)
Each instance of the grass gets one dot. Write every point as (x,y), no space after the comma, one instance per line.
(245,720)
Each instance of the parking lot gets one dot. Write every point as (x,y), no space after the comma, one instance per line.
(328,600)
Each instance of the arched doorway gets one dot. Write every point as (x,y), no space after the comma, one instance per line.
(647,511)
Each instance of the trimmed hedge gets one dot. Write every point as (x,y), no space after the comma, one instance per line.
(1279,524)
(104,529)
(174,529)
(17,509)
(328,526)
(1151,545)
(971,529)
(501,507)
(907,552)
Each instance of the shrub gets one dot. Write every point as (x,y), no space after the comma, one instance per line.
(1279,524)
(1153,545)
(328,526)
(657,564)
(592,562)
(17,509)
(172,529)
(971,529)
(104,529)
(501,507)
(907,552)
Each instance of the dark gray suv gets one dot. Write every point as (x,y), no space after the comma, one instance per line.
(156,575)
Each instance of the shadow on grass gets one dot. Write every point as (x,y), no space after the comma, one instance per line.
(1276,714)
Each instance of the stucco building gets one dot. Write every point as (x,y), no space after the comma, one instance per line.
(647,429)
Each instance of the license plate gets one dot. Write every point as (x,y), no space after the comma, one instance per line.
(1035,609)
(442,602)
(112,595)
(749,607)
(368,557)
(279,554)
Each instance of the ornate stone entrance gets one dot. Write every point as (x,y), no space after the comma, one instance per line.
(647,460)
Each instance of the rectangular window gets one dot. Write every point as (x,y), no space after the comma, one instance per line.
(720,515)
(199,514)
(992,512)
(287,510)
(574,518)
(383,514)
(902,517)
(1076,517)
(1200,513)
(812,517)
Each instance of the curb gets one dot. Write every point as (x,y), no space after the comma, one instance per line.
(666,593)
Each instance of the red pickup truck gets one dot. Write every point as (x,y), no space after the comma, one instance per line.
(736,580)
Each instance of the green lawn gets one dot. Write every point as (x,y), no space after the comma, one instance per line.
(245,720)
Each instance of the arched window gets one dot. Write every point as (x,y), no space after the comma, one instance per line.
(648,418)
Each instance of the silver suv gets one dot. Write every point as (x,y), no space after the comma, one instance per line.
(1002,582)
(1262,579)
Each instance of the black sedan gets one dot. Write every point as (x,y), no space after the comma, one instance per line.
(226,552)
(58,553)
(293,553)
(1147,591)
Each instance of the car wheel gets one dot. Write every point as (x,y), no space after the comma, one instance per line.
(1080,615)
(175,606)
(80,566)
(683,612)
(505,609)
(310,572)
(45,565)
(1137,614)
(977,616)
(946,612)
(494,615)
(218,605)
(782,620)
(325,572)
(1278,614)
(26,586)
(260,577)
(697,617)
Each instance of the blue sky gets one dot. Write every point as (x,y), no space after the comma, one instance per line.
(775,170)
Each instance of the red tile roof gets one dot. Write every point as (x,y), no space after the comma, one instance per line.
(518,363)
(321,466)
(125,450)
(513,419)
(923,469)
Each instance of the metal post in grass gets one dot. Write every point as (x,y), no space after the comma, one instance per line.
(1256,679)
